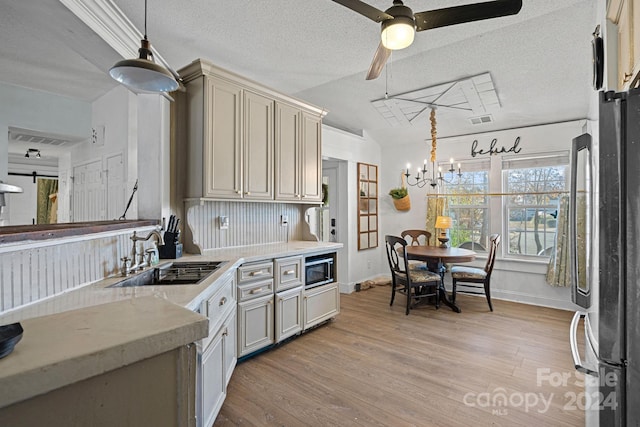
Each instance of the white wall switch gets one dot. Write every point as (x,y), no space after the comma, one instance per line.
(284,220)
(223,222)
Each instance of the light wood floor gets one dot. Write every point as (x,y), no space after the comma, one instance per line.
(374,366)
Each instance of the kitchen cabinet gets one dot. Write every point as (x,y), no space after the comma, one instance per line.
(255,324)
(245,139)
(255,307)
(626,15)
(298,155)
(288,320)
(288,301)
(231,141)
(218,354)
(320,304)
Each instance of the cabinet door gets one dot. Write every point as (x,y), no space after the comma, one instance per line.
(288,313)
(320,304)
(287,152)
(222,140)
(311,158)
(258,147)
(212,380)
(255,325)
(230,345)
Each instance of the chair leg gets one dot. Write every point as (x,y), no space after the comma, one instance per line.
(408,298)
(393,292)
(438,294)
(487,292)
(453,291)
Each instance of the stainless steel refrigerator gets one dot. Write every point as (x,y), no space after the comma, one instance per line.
(605,261)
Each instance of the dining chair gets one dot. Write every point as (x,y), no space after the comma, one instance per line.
(416,284)
(418,238)
(476,278)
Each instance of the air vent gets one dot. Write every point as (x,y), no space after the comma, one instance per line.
(481,119)
(31,136)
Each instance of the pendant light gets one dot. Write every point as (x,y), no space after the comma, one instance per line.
(142,73)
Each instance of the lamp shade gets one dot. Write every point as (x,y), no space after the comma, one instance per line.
(443,222)
(142,73)
(398,33)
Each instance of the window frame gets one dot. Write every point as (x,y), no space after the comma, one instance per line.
(508,164)
(450,189)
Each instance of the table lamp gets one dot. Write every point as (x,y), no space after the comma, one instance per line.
(444,224)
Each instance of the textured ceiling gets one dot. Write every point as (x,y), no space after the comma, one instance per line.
(319,51)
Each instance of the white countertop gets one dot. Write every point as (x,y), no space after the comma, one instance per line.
(64,348)
(111,306)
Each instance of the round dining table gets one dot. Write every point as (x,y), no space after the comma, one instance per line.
(436,257)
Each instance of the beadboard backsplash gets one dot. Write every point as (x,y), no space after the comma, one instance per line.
(36,270)
(249,224)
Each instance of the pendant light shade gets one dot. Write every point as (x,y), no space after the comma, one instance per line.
(143,73)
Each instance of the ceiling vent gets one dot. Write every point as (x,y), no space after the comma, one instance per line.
(487,118)
(35,137)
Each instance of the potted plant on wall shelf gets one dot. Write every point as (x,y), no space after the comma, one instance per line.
(401,199)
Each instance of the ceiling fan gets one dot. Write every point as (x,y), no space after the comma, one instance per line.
(399,23)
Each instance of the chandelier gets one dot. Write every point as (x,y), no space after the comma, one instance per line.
(421,178)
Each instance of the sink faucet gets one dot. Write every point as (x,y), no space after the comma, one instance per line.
(141,261)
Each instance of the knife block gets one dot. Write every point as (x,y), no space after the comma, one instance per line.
(170,251)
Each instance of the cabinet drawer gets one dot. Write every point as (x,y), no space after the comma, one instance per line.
(252,290)
(251,272)
(288,272)
(217,307)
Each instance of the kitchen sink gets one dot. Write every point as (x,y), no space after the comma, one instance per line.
(175,273)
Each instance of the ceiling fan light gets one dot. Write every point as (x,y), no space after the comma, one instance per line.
(142,73)
(398,33)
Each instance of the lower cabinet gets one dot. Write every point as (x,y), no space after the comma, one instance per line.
(218,361)
(255,323)
(217,353)
(288,313)
(320,304)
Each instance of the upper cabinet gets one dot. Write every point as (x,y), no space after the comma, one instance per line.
(298,156)
(247,142)
(626,15)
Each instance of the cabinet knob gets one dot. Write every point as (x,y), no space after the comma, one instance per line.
(289,272)
(238,192)
(627,77)
(248,193)
(257,273)
(255,291)
(223,301)
(225,333)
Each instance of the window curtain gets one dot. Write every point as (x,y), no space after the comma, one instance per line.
(558,270)
(436,206)
(47,206)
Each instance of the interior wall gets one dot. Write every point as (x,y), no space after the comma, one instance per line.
(516,280)
(44,112)
(354,266)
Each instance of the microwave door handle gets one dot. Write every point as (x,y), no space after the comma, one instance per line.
(573,341)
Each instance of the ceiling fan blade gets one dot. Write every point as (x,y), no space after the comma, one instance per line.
(379,60)
(365,10)
(466,13)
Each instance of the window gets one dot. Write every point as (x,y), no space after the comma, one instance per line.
(469,206)
(533,186)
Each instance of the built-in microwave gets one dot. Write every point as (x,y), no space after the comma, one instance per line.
(319,270)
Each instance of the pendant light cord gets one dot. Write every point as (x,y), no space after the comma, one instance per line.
(145,19)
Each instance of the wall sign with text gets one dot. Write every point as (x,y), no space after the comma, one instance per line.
(493,148)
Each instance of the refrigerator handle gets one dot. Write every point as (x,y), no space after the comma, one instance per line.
(573,340)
